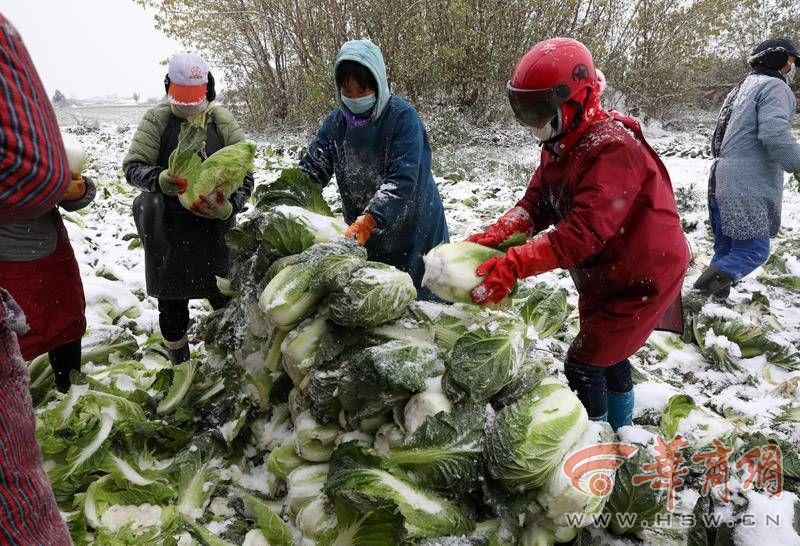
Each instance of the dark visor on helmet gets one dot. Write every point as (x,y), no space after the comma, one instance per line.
(535,107)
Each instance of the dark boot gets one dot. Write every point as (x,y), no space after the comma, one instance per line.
(63,360)
(178,350)
(61,377)
(714,282)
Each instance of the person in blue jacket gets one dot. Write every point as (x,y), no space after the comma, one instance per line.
(377,146)
(752,146)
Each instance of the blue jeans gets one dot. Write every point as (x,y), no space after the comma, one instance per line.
(736,258)
(592,383)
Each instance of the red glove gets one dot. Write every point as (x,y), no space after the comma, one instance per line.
(362,228)
(514,221)
(520,262)
(213,205)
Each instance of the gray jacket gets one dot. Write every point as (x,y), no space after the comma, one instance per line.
(757,148)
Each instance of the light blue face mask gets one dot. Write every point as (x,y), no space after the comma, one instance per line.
(360,105)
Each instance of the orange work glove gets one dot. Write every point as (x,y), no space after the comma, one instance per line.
(362,228)
(76,189)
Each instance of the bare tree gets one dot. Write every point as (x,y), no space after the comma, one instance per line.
(277,55)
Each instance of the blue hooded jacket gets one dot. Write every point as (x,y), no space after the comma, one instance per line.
(383,168)
(757,148)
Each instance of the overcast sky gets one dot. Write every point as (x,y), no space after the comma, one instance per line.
(90,48)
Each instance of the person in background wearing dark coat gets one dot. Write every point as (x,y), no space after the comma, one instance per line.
(184,250)
(377,146)
(616,225)
(37,263)
(752,146)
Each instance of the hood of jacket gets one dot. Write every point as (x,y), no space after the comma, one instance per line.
(369,55)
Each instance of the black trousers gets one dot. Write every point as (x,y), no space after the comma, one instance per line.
(173,315)
(592,383)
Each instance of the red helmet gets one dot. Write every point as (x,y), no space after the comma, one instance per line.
(547,76)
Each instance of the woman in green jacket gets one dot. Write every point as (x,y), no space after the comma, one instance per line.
(184,250)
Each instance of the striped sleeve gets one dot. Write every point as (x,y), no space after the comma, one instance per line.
(33,165)
(28,511)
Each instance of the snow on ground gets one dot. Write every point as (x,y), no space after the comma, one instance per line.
(477,183)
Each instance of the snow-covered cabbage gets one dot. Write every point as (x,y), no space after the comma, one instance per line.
(288,297)
(696,424)
(388,436)
(300,346)
(101,345)
(378,377)
(314,442)
(383,525)
(444,453)
(304,484)
(375,294)
(448,322)
(363,480)
(530,437)
(336,261)
(284,459)
(291,230)
(546,310)
(486,359)
(645,502)
(528,375)
(559,497)
(322,392)
(316,520)
(126,512)
(272,527)
(271,433)
(196,483)
(76,433)
(181,383)
(421,406)
(292,187)
(450,269)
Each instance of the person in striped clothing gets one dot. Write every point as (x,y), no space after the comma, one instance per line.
(28,511)
(37,264)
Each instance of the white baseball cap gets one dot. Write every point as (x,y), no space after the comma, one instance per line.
(188,77)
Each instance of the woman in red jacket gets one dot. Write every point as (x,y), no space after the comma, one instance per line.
(616,225)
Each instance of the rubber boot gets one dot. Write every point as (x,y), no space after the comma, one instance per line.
(620,409)
(178,350)
(714,282)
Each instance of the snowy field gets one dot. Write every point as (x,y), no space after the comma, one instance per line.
(477,185)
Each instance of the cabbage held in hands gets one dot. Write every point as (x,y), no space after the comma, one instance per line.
(225,168)
(450,269)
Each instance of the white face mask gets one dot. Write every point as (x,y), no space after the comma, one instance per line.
(187,111)
(789,76)
(548,130)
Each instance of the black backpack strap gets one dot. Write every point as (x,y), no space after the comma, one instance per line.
(169,141)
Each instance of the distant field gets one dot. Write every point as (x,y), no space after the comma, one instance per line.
(99,115)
